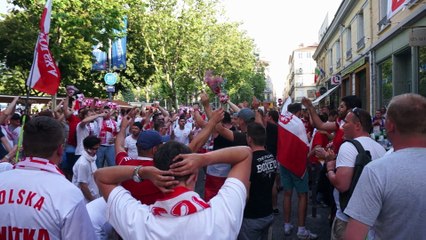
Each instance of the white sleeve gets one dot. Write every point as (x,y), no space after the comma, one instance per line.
(126,142)
(366,200)
(77,224)
(347,155)
(124,212)
(83,173)
(230,202)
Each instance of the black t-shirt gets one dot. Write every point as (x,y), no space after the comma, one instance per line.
(262,178)
(271,138)
(239,139)
(220,142)
(3,151)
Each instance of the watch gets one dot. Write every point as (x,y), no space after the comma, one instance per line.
(136,176)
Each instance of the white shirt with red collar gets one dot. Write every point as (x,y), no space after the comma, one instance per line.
(180,215)
(38,202)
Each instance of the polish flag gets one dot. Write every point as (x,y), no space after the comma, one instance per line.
(293,145)
(44,75)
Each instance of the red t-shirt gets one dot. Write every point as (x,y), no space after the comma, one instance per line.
(338,137)
(320,139)
(73,120)
(145,191)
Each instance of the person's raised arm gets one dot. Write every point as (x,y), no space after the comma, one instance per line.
(110,177)
(121,135)
(234,107)
(67,111)
(9,110)
(91,118)
(204,99)
(203,136)
(224,132)
(239,157)
(162,110)
(317,122)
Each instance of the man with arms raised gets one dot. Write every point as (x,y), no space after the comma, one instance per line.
(36,200)
(390,194)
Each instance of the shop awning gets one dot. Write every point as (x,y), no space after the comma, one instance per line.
(320,98)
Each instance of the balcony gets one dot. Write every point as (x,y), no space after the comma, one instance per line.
(383,23)
(338,63)
(349,54)
(361,43)
(330,69)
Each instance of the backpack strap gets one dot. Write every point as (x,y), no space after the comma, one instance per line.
(357,145)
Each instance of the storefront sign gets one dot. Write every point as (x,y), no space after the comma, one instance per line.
(353,67)
(417,37)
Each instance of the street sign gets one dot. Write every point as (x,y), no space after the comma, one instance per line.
(110,78)
(110,89)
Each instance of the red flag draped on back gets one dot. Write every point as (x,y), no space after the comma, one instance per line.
(292,146)
(44,75)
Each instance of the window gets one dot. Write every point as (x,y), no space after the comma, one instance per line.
(348,43)
(300,55)
(360,31)
(308,55)
(385,82)
(337,52)
(422,71)
(330,61)
(383,18)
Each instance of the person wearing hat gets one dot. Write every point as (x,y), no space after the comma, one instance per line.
(238,138)
(147,144)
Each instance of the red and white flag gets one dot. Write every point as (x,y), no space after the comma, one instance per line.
(44,75)
(293,145)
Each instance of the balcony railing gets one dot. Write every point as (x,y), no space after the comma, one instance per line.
(361,43)
(338,63)
(383,23)
(349,54)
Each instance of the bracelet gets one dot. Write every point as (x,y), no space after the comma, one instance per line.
(330,170)
(7,157)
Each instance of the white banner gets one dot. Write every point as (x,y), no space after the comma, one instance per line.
(395,6)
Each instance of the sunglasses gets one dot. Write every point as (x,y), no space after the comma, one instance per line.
(356,111)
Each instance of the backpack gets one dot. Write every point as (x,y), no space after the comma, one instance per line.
(362,159)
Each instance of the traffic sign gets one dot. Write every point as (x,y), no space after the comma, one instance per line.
(110,78)
(110,89)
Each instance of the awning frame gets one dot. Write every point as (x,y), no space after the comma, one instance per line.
(320,98)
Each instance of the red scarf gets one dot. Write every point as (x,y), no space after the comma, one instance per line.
(181,202)
(105,129)
(35,163)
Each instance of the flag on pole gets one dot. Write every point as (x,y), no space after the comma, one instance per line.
(293,145)
(44,75)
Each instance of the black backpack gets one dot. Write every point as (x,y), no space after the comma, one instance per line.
(362,159)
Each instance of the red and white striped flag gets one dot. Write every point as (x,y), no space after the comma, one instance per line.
(44,75)
(293,145)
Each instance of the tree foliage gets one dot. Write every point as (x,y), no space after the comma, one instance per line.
(170,45)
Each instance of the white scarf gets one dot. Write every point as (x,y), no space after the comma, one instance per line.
(181,202)
(91,160)
(35,163)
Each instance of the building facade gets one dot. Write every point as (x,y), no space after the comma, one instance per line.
(374,49)
(300,78)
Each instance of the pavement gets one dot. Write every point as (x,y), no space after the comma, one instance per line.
(317,223)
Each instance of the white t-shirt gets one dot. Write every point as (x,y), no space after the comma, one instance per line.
(182,136)
(97,213)
(130,144)
(83,170)
(222,220)
(44,204)
(83,131)
(346,158)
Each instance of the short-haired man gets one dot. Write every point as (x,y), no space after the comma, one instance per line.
(258,215)
(84,168)
(130,141)
(175,172)
(390,194)
(289,179)
(357,126)
(38,201)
